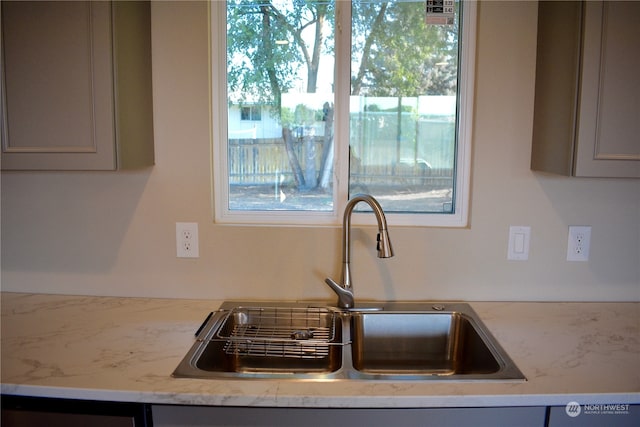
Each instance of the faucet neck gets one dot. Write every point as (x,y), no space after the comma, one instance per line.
(344,290)
(346,223)
(383,245)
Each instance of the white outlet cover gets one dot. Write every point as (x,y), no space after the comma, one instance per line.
(187,240)
(578,243)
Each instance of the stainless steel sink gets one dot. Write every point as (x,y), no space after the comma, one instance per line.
(253,341)
(274,339)
(389,341)
(419,343)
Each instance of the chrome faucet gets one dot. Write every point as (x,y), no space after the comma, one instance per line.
(345,290)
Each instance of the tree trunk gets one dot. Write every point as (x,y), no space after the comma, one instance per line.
(327,148)
(310,172)
(298,176)
(364,62)
(268,48)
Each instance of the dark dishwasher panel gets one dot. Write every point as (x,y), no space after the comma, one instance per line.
(23,411)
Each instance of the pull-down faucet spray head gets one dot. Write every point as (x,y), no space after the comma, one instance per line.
(345,290)
(384,244)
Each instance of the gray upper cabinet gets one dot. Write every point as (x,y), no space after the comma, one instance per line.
(587,99)
(76,85)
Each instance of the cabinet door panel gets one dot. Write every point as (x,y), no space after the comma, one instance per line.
(183,416)
(587,102)
(58,97)
(609,127)
(12,418)
(619,109)
(25,411)
(48,63)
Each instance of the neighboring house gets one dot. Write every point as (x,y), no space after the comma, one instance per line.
(421,145)
(253,121)
(257,121)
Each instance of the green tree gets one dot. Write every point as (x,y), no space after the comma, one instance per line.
(267,51)
(401,55)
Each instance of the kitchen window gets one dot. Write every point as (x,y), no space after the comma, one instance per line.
(366,96)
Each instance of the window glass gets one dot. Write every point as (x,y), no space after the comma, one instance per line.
(280,57)
(403,106)
(287,146)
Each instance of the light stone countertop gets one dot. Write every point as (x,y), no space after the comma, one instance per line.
(124,349)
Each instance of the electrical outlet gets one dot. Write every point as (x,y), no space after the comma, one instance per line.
(187,240)
(578,243)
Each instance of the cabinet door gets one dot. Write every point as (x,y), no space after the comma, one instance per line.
(76,85)
(609,118)
(14,418)
(22,411)
(183,416)
(58,96)
(587,102)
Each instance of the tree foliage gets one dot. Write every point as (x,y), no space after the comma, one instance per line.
(267,47)
(276,45)
(402,56)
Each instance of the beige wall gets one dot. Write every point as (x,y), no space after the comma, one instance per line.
(114,233)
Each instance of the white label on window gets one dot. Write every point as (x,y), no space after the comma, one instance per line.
(440,12)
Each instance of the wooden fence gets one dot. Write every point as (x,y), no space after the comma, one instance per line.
(265,161)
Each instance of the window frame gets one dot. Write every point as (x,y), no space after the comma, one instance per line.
(219,120)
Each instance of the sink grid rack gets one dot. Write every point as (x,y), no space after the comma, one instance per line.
(288,332)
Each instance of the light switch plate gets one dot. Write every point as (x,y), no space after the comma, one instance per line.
(519,237)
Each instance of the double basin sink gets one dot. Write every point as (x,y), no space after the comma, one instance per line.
(388,341)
